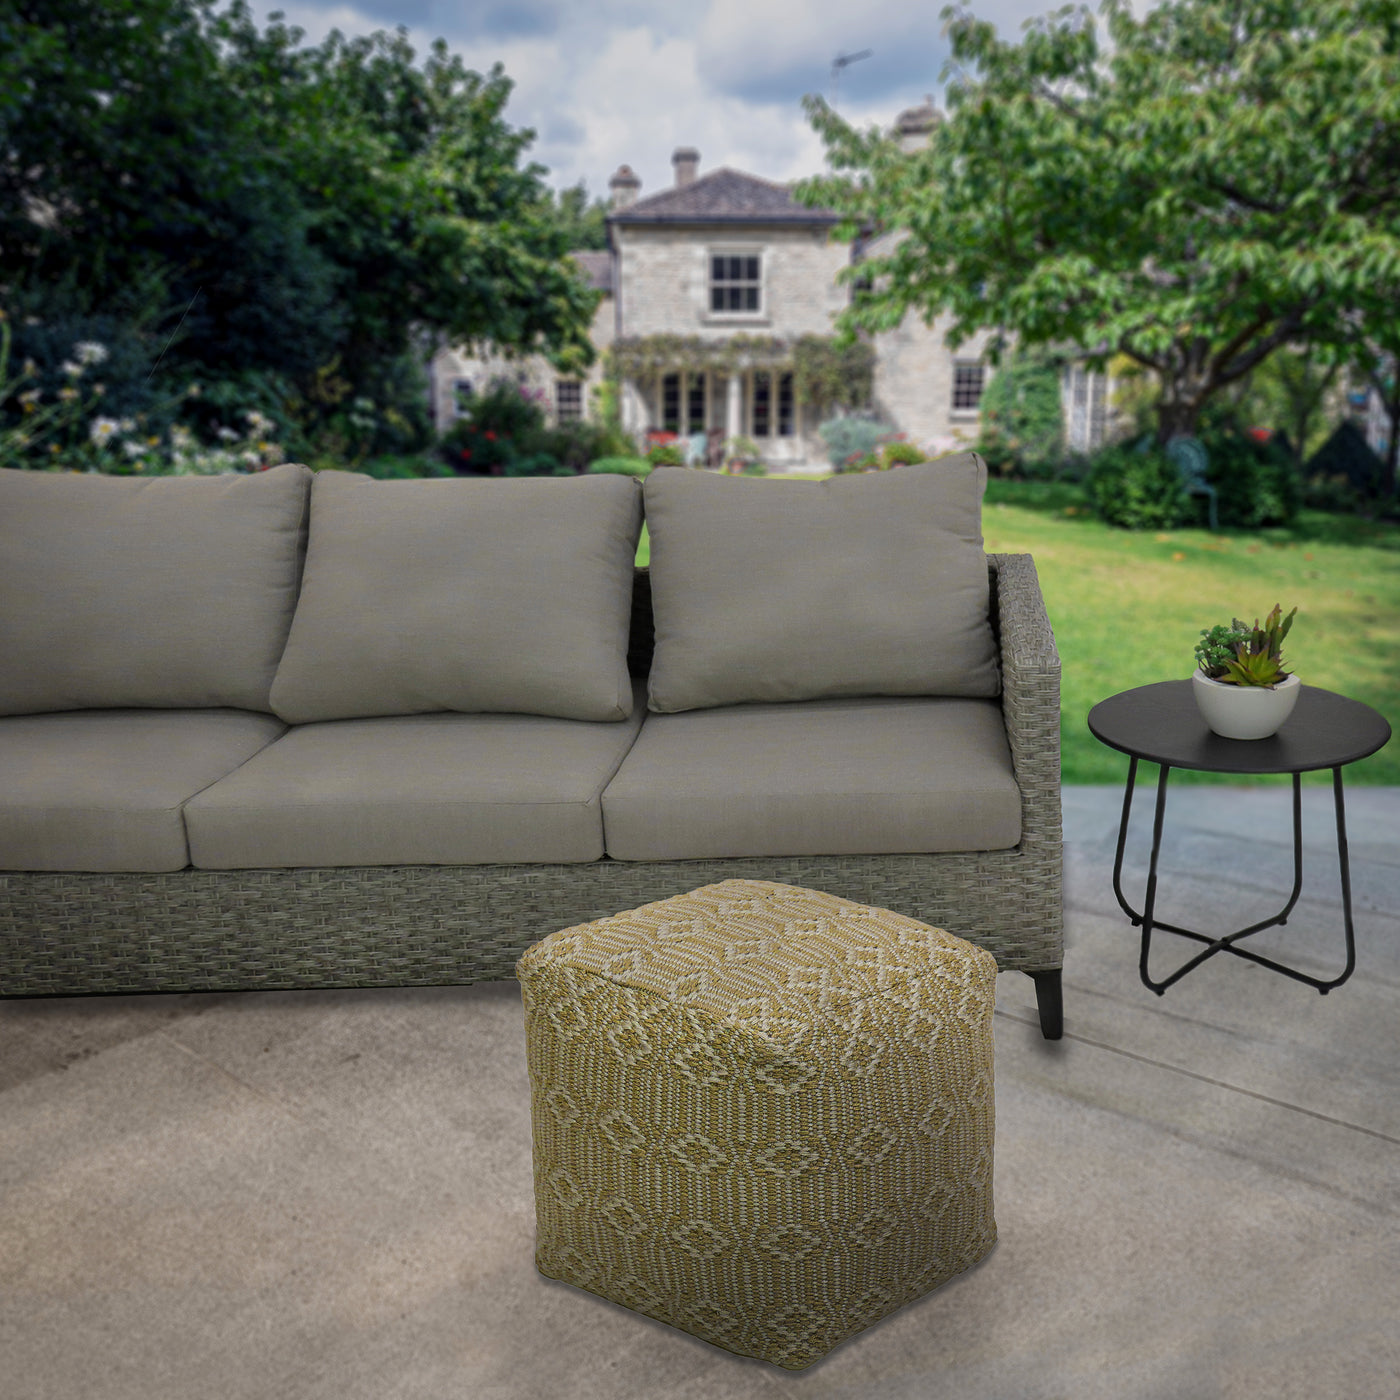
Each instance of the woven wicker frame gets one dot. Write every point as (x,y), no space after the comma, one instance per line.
(64,934)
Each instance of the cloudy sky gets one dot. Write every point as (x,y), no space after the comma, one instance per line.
(605,82)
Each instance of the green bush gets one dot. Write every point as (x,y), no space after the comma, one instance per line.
(1022,422)
(1138,490)
(623,466)
(495,428)
(573,444)
(404,468)
(1255,483)
(901,454)
(666,454)
(849,436)
(535,464)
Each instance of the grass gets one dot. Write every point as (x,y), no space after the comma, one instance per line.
(1128,607)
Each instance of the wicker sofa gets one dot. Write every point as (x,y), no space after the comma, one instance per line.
(241,879)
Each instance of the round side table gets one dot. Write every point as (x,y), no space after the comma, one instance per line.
(1160,723)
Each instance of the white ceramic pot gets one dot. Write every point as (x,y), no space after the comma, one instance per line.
(1244,711)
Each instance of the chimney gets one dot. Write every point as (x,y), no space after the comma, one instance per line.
(686,159)
(624,186)
(913,127)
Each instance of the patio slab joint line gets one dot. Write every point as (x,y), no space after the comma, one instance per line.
(1206,1079)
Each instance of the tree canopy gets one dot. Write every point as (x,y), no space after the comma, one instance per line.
(310,213)
(1220,179)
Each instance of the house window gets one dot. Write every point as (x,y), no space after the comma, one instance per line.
(671,403)
(735,283)
(785,405)
(695,400)
(762,403)
(967,386)
(568,400)
(461,395)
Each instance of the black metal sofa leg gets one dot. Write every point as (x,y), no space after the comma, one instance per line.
(1050,1001)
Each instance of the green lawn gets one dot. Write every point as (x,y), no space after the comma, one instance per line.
(1128,607)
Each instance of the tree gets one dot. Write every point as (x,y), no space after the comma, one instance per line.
(297,216)
(1223,180)
(584,224)
(1022,420)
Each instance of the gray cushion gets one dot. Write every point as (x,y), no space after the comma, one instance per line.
(439,789)
(816,777)
(867,584)
(102,789)
(470,595)
(175,592)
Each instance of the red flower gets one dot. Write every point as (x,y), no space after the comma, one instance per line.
(466,454)
(490,436)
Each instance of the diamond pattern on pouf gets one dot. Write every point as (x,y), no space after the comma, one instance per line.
(761,1114)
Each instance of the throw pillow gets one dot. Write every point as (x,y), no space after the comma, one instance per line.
(868,584)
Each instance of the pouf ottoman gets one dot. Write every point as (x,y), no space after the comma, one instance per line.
(761,1114)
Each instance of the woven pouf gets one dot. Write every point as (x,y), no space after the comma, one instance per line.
(761,1114)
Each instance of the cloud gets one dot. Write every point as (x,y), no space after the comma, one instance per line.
(502,19)
(777,50)
(629,80)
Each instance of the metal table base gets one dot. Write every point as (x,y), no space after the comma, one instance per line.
(1228,943)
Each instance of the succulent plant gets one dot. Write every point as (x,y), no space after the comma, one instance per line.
(1243,655)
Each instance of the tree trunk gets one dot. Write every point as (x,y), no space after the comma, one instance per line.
(1176,417)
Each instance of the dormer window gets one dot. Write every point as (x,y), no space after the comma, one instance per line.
(736,284)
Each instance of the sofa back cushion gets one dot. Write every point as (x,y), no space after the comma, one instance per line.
(868,584)
(471,594)
(122,592)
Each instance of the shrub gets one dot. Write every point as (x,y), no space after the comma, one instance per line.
(496,427)
(1138,490)
(535,464)
(1255,482)
(900,453)
(404,468)
(623,466)
(666,454)
(851,435)
(573,444)
(1021,428)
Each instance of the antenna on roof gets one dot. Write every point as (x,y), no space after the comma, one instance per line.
(844,60)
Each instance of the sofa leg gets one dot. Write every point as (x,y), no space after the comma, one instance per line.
(1050,1002)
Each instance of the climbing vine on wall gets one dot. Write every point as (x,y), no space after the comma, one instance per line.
(822,374)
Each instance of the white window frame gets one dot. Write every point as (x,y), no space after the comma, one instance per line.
(742,252)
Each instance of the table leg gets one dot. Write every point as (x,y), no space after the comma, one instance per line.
(1226,944)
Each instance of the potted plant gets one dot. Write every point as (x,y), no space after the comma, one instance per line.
(1241,687)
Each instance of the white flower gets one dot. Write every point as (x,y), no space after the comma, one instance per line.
(101,430)
(132,449)
(181,437)
(89,352)
(71,369)
(127,425)
(228,435)
(257,423)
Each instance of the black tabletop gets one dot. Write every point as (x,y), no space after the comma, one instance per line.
(1162,724)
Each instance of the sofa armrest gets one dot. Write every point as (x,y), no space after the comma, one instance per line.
(1030,697)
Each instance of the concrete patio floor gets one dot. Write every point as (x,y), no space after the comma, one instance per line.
(328,1194)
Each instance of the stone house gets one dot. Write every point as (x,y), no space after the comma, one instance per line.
(722,258)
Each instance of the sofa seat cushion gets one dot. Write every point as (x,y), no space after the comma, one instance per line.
(171,592)
(816,777)
(103,789)
(436,789)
